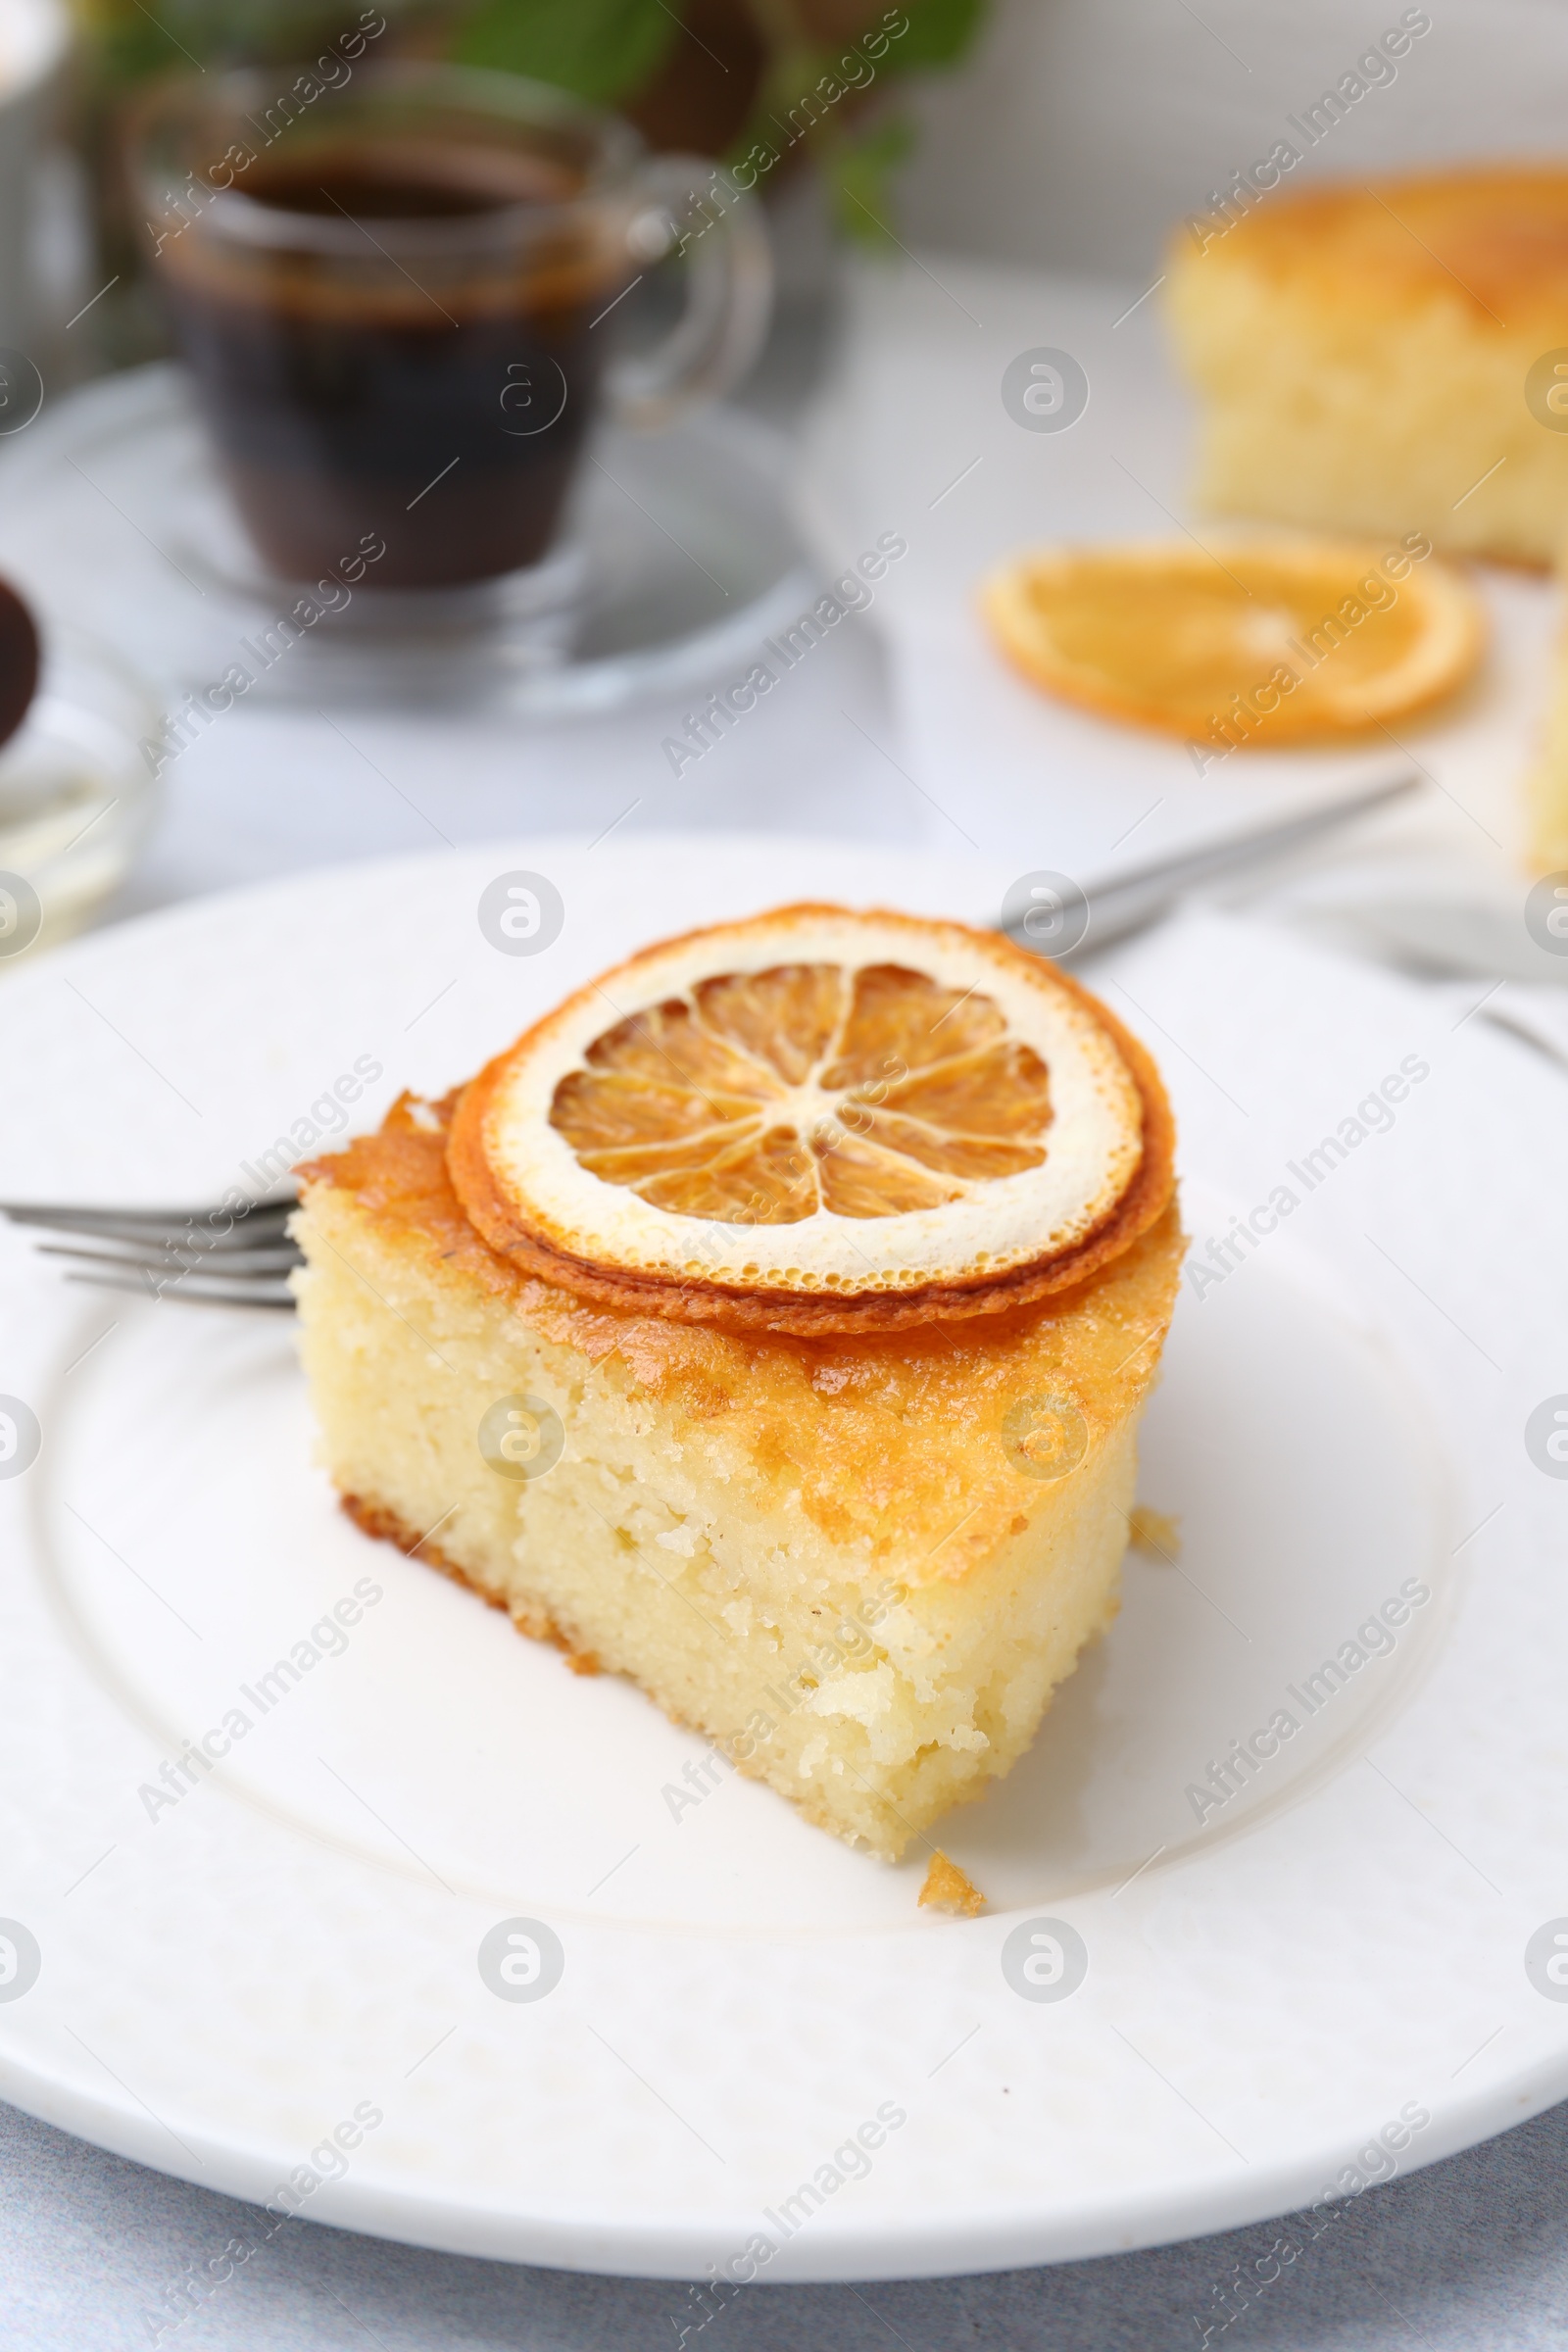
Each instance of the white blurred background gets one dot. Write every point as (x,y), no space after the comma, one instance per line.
(1082,129)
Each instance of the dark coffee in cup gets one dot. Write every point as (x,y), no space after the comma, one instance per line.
(393,286)
(442,411)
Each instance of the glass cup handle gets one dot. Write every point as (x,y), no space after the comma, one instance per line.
(684,204)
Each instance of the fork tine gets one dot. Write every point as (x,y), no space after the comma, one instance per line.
(277,1299)
(190,1228)
(266,1205)
(240,1264)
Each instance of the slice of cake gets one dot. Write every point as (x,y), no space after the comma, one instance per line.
(1382,359)
(1547,785)
(771,1325)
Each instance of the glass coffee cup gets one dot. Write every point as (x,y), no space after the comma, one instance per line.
(394,294)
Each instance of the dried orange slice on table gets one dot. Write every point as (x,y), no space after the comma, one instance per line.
(818,1120)
(1260,643)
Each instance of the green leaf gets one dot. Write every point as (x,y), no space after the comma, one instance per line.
(940,31)
(859,174)
(599,50)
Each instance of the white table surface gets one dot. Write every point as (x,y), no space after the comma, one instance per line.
(1470,2253)
(1470,2256)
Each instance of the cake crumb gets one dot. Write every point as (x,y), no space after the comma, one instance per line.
(946,1889)
(1158,1532)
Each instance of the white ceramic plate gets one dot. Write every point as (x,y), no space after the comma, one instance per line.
(226,1980)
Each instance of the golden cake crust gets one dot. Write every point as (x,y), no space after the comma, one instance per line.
(1097,1343)
(1496,240)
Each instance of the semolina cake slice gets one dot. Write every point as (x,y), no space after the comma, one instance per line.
(1383,357)
(1546,784)
(836,1557)
(858,1552)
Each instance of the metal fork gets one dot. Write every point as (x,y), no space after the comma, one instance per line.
(1118,904)
(190,1255)
(187,1255)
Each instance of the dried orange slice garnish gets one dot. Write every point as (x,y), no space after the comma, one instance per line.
(818,1120)
(1260,643)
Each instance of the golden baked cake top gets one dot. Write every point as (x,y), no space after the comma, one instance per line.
(899,1445)
(1495,239)
(818,1120)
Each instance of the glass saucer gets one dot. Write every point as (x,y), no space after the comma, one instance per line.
(679,556)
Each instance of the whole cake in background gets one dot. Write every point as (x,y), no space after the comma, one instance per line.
(1392,357)
(772,1324)
(1363,357)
